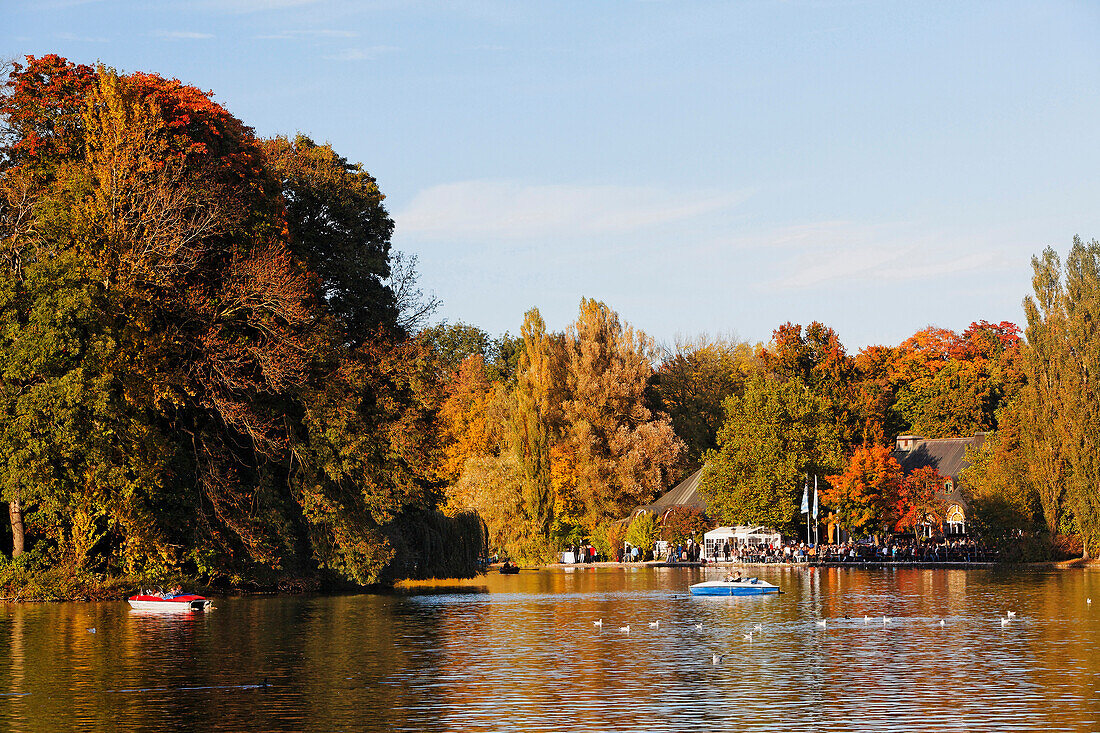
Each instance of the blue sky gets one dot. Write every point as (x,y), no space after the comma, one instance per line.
(710,166)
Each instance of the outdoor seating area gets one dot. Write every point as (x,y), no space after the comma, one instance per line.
(955,551)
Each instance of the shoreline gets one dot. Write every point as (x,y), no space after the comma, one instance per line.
(1074,564)
(118,589)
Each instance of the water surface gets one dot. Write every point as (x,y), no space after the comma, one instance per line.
(521,653)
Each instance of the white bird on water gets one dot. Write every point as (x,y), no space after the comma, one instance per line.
(942,622)
(866,619)
(822,623)
(1004,622)
(1012,614)
(1088,601)
(625,629)
(716,658)
(698,627)
(747,636)
(655,624)
(598,623)
(758,627)
(885,620)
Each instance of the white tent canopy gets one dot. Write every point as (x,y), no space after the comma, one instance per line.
(740,536)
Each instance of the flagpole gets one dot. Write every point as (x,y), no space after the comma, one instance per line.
(815,510)
(806,506)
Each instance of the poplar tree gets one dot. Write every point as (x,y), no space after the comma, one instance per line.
(530,420)
(1062,362)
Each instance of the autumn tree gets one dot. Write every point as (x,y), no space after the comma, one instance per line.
(818,360)
(625,454)
(921,501)
(866,494)
(493,487)
(467,424)
(682,523)
(950,384)
(180,390)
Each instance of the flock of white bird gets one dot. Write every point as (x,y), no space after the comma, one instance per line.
(823,623)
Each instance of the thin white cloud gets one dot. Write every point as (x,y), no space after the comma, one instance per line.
(360,54)
(507,210)
(315,33)
(831,253)
(183,35)
(83,39)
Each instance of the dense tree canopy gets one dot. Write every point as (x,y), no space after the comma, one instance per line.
(692,383)
(189,382)
(339,229)
(776,435)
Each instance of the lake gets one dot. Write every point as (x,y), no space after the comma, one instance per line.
(521,653)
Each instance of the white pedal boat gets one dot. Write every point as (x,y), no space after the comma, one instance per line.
(740,587)
(185,603)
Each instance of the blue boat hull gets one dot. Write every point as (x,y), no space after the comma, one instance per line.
(721,588)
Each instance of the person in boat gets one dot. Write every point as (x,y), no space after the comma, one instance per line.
(733,577)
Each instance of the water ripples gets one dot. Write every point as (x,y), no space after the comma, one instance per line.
(521,653)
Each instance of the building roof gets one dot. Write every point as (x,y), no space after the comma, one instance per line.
(946,455)
(685,493)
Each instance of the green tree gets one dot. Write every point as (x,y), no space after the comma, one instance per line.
(1062,363)
(643,532)
(530,421)
(453,343)
(775,435)
(997,482)
(340,229)
(693,381)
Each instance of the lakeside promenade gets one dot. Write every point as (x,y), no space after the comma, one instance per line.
(858,564)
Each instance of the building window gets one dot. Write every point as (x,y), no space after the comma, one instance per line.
(955,520)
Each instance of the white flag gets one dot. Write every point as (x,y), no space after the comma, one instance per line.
(815,497)
(806,499)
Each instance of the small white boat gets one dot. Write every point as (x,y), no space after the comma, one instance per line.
(739,587)
(185,603)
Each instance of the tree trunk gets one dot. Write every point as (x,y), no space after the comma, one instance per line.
(15,512)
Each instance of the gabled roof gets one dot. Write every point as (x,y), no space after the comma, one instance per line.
(946,455)
(685,493)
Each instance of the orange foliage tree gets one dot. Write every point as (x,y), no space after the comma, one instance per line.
(683,523)
(920,501)
(465,423)
(866,493)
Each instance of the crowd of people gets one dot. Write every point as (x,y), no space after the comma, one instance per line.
(901,550)
(895,550)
